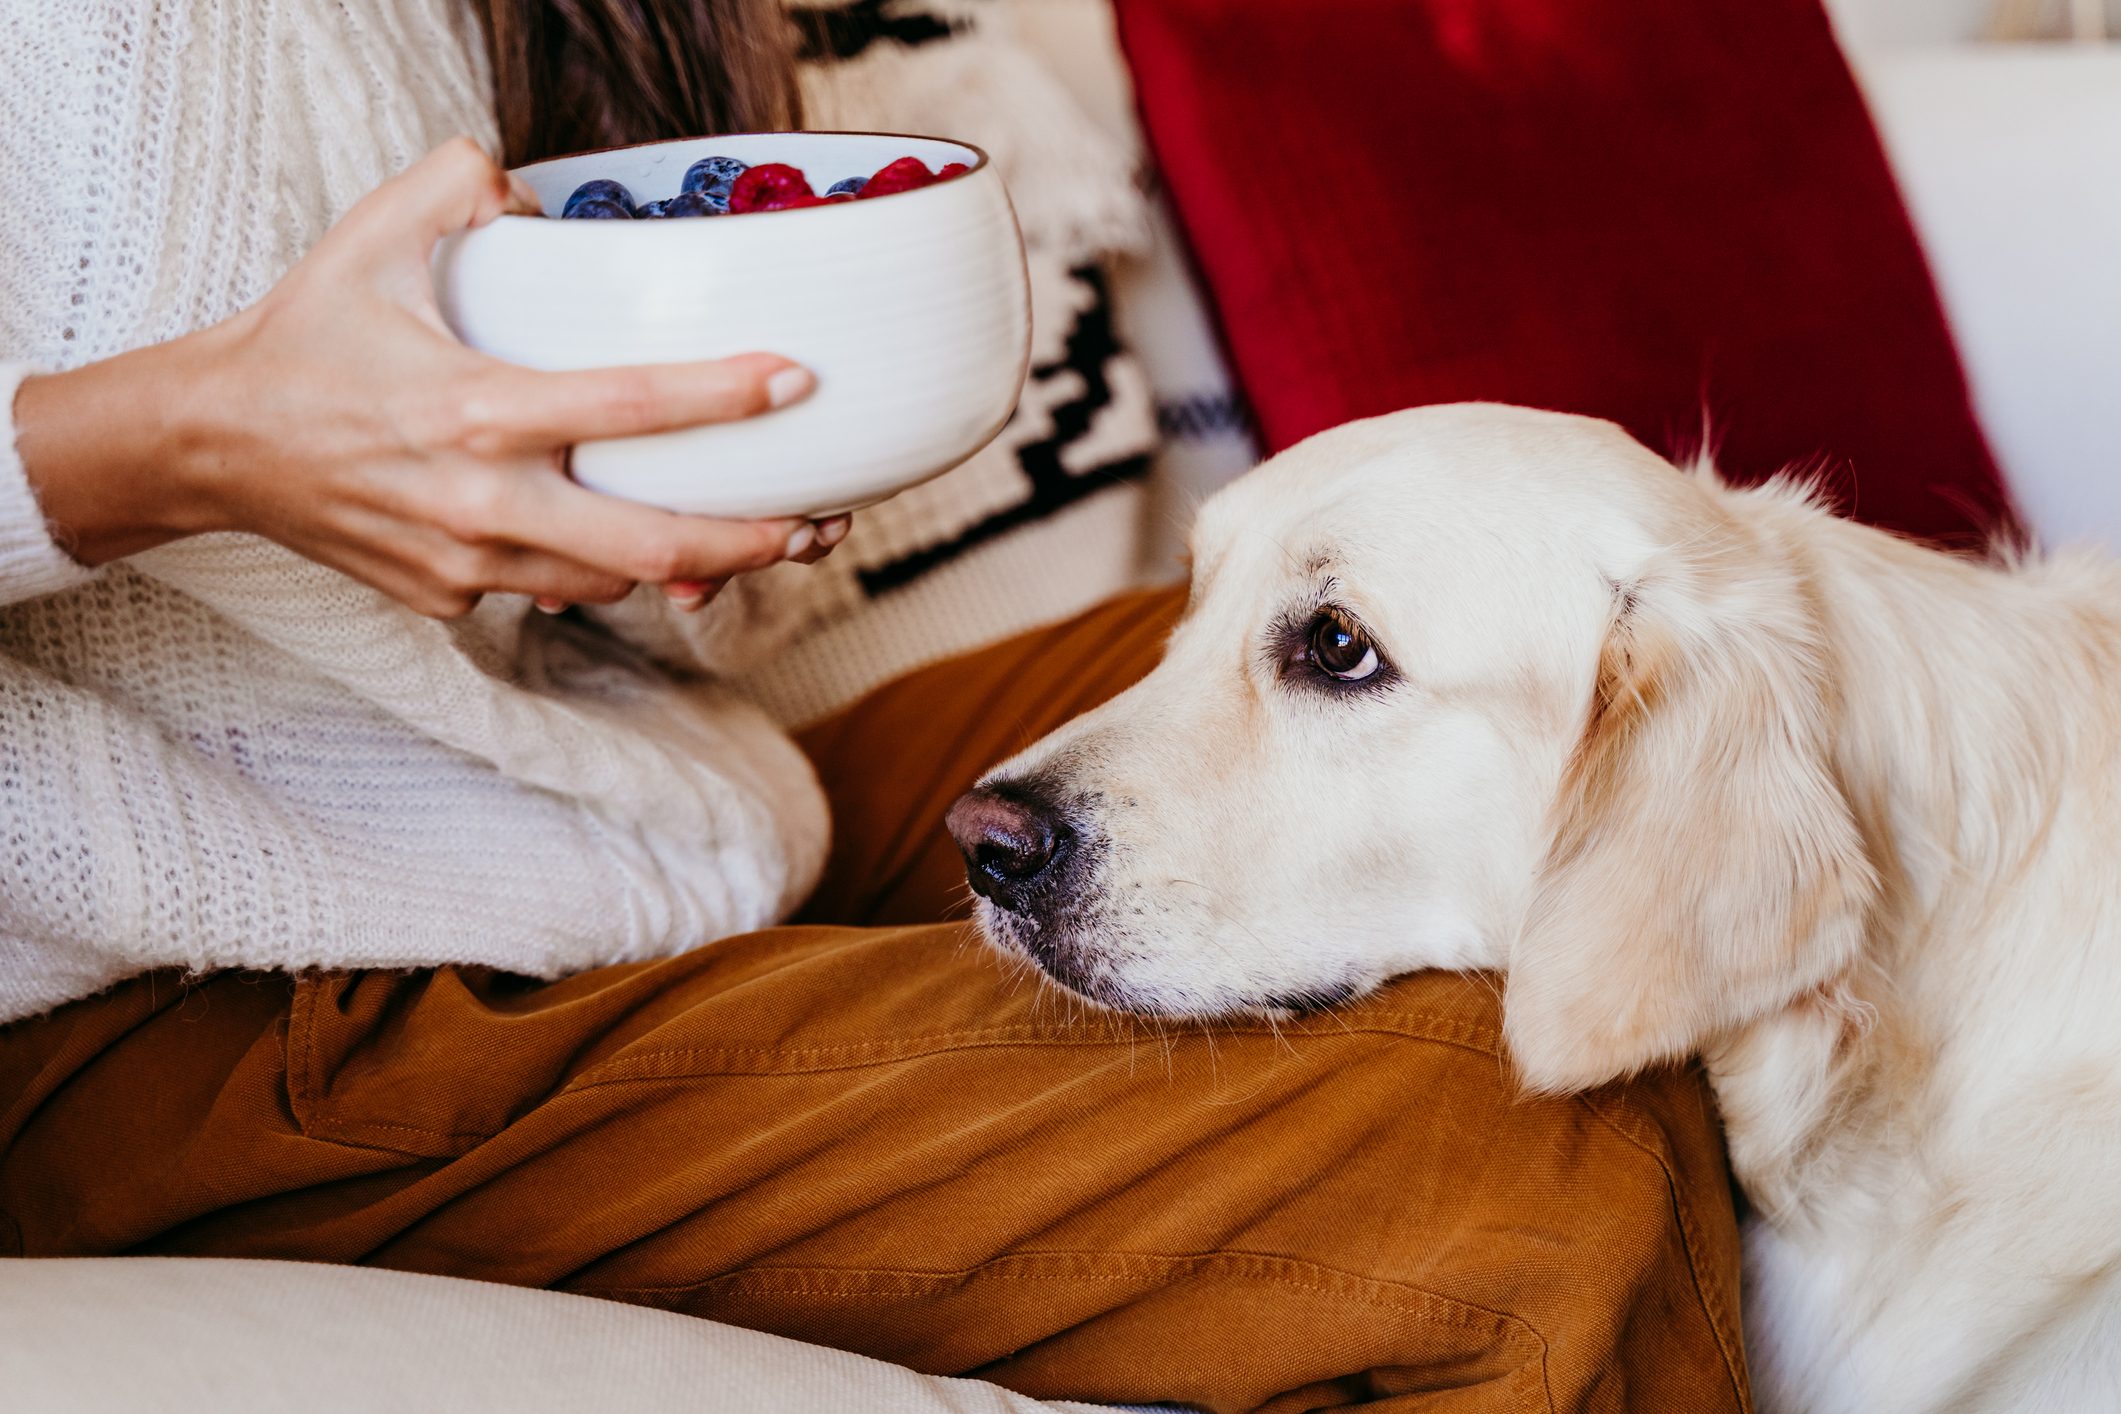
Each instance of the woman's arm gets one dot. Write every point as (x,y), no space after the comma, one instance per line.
(339,417)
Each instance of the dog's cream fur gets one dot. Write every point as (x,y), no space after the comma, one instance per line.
(1704,770)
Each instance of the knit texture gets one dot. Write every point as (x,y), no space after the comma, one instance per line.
(30,563)
(220,754)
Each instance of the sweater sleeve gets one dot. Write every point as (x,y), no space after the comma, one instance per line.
(31,562)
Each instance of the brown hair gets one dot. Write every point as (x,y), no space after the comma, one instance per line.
(571,75)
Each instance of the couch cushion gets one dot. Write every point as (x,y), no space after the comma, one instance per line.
(1653,211)
(120,1335)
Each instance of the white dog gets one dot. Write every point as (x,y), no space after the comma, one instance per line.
(1702,769)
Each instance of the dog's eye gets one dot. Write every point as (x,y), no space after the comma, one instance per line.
(1341,650)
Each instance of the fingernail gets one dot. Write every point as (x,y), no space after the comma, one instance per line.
(551,606)
(703,593)
(789,384)
(832,532)
(801,539)
(686,589)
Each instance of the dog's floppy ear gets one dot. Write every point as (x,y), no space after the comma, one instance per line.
(1705,867)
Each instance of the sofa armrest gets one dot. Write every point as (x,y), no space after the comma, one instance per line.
(219,1336)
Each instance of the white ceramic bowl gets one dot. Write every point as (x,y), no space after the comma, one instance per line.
(912,309)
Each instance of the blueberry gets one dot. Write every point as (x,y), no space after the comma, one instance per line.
(596,209)
(852,186)
(599,190)
(692,203)
(712,177)
(650,210)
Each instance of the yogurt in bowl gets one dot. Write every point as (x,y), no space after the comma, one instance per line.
(912,309)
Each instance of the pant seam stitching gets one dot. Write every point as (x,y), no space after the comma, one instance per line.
(819,1282)
(650,1065)
(314,1112)
(1704,1290)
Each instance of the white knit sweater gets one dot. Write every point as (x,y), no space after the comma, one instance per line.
(219,754)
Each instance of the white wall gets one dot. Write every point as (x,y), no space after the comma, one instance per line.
(1871,25)
(1897,24)
(2010,159)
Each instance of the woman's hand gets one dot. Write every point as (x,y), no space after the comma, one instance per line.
(339,417)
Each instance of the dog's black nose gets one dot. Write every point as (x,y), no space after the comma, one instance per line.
(1010,837)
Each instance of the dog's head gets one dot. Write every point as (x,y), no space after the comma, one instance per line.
(1463,687)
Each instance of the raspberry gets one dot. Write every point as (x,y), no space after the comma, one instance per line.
(770,186)
(955,169)
(906,174)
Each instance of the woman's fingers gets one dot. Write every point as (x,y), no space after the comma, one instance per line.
(523,410)
(386,241)
(692,595)
(473,522)
(555,578)
(522,198)
(641,543)
(396,569)
(376,443)
(453,188)
(830,532)
(442,575)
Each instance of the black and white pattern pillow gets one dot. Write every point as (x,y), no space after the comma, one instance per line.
(1078,430)
(837,32)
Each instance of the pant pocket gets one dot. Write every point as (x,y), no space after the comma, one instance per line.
(434,1062)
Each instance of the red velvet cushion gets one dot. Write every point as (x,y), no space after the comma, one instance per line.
(1658,211)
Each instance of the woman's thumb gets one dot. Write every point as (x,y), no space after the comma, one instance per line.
(453,188)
